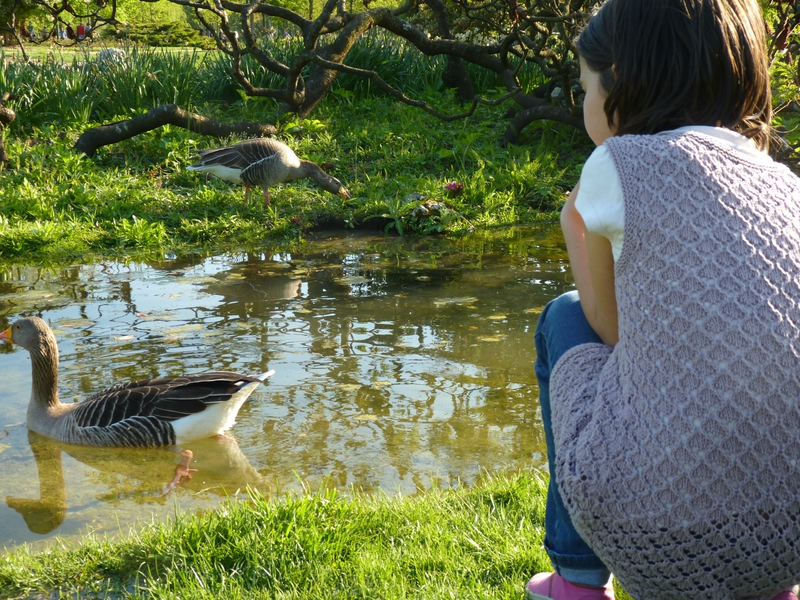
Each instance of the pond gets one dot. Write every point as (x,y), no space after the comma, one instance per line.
(399,365)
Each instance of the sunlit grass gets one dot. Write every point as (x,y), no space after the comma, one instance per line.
(138,195)
(483,542)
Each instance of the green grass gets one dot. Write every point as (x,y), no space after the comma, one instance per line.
(137,195)
(482,543)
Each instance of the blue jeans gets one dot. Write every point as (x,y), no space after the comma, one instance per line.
(562,326)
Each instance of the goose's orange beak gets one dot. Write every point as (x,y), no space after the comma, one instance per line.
(6,336)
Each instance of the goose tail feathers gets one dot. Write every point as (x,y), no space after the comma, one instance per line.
(218,417)
(265,376)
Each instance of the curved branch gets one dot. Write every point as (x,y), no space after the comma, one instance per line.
(262,57)
(483,56)
(321,78)
(166,114)
(395,93)
(543,112)
(13,31)
(314,29)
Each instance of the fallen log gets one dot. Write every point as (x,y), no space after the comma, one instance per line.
(166,114)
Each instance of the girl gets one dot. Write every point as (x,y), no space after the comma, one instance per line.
(670,381)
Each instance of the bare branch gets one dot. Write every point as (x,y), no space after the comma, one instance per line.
(166,114)
(395,93)
(13,31)
(543,112)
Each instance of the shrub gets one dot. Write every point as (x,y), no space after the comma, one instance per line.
(166,34)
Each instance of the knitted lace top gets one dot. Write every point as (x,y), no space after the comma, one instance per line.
(677,452)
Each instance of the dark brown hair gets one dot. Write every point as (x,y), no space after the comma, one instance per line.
(670,63)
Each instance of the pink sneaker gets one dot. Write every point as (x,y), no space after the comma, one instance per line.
(551,586)
(787,595)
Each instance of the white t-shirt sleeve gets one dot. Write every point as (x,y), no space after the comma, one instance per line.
(600,202)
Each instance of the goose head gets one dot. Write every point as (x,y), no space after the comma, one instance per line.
(332,185)
(33,334)
(322,179)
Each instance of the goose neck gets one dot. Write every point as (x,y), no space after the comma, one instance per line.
(310,169)
(45,375)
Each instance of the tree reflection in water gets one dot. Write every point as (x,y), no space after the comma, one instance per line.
(400,364)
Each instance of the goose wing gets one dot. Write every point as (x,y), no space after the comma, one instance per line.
(266,171)
(140,413)
(241,155)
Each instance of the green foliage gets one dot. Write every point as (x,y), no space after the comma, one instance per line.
(480,543)
(91,90)
(405,68)
(81,89)
(475,543)
(138,233)
(136,12)
(786,94)
(174,33)
(137,195)
(21,9)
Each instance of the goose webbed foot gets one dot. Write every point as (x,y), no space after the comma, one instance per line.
(266,196)
(181,471)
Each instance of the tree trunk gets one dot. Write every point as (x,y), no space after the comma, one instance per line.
(321,78)
(455,76)
(7,116)
(455,73)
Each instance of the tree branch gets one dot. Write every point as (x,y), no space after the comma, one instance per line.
(395,93)
(166,114)
(543,112)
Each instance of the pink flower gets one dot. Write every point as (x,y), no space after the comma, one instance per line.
(454,188)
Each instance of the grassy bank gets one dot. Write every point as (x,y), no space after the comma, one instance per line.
(479,543)
(137,195)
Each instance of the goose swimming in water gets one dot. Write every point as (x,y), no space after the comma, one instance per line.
(148,413)
(263,162)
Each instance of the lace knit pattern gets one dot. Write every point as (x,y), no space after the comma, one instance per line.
(677,452)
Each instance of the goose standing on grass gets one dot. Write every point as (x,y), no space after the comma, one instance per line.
(263,162)
(147,413)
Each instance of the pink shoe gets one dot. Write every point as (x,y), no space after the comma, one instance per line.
(787,595)
(551,586)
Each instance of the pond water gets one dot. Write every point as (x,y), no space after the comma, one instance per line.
(399,365)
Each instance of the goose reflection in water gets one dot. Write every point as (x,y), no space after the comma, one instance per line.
(131,474)
(46,513)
